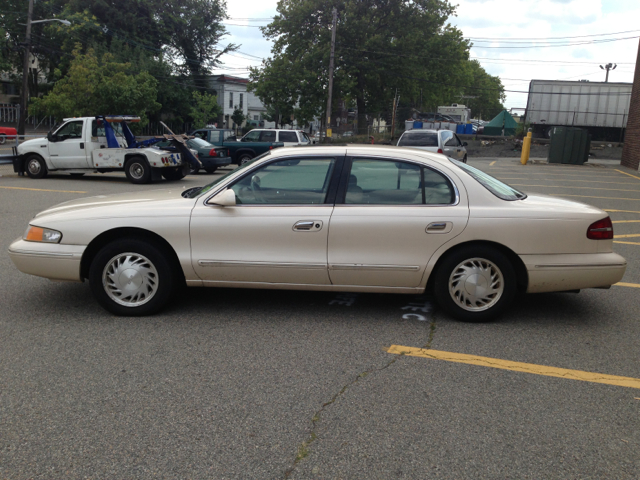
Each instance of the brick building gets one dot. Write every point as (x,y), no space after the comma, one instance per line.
(631,149)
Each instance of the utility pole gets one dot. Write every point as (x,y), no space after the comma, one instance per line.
(330,99)
(25,74)
(607,67)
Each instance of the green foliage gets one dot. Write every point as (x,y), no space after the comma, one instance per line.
(487,89)
(95,86)
(205,109)
(238,116)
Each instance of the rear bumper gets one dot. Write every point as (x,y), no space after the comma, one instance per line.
(208,162)
(557,273)
(49,260)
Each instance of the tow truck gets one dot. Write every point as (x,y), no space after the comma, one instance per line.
(104,143)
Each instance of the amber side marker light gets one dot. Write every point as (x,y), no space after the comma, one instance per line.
(37,234)
(600,230)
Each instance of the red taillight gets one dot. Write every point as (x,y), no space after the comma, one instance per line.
(601,230)
(440,150)
(212,152)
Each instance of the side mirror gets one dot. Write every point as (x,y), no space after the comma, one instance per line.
(226,198)
(51,137)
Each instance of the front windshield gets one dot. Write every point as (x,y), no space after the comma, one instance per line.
(495,186)
(194,192)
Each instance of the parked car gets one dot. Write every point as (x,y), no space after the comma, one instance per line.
(7,132)
(240,152)
(361,219)
(437,141)
(288,137)
(435,117)
(211,156)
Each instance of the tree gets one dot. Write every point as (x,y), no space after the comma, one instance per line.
(487,90)
(205,109)
(95,86)
(382,46)
(238,116)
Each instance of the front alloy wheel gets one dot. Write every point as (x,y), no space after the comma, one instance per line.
(132,277)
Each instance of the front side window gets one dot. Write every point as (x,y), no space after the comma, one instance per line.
(288,137)
(70,130)
(286,182)
(386,182)
(253,136)
(446,136)
(452,141)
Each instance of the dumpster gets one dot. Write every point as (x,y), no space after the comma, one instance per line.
(417,124)
(468,129)
(569,145)
(460,129)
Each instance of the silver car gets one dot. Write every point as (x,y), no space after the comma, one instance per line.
(436,141)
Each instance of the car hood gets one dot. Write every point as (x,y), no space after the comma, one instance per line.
(166,202)
(34,142)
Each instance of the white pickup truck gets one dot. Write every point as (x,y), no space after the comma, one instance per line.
(102,144)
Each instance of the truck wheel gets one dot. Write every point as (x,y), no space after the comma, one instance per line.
(35,166)
(173,174)
(244,158)
(138,170)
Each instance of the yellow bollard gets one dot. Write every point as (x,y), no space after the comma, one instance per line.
(526,148)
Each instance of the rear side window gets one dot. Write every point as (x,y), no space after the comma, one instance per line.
(419,139)
(495,186)
(288,137)
(385,182)
(268,136)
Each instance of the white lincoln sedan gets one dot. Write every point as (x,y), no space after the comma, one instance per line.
(358,219)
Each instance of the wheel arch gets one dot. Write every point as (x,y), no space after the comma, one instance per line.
(128,232)
(242,151)
(522,277)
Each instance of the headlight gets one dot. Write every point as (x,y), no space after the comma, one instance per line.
(37,234)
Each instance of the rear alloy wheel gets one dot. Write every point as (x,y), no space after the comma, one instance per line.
(35,167)
(475,283)
(138,170)
(244,158)
(131,278)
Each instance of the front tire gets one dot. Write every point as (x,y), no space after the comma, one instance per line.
(132,278)
(35,167)
(475,283)
(138,170)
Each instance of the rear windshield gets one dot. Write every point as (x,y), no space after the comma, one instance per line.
(495,186)
(419,139)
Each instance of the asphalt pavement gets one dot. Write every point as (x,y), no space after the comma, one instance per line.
(232,383)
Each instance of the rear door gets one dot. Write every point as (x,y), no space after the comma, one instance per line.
(68,151)
(389,219)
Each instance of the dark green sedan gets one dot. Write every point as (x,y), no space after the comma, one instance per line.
(211,156)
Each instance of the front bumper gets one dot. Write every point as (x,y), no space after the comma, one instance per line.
(50,260)
(557,273)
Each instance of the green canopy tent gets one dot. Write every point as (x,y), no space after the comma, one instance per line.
(502,120)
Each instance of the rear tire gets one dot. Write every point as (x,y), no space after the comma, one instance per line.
(132,277)
(138,170)
(76,174)
(35,167)
(475,283)
(244,158)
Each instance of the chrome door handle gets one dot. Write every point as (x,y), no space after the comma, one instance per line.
(307,225)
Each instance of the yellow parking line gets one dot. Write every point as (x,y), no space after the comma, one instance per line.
(517,366)
(626,221)
(589,196)
(492,163)
(567,186)
(627,236)
(628,174)
(627,243)
(42,190)
(622,284)
(621,211)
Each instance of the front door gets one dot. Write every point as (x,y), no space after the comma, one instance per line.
(69,151)
(277,232)
(393,217)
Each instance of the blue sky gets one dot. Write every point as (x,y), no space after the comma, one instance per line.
(503,20)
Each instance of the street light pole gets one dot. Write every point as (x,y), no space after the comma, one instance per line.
(25,74)
(607,67)
(327,128)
